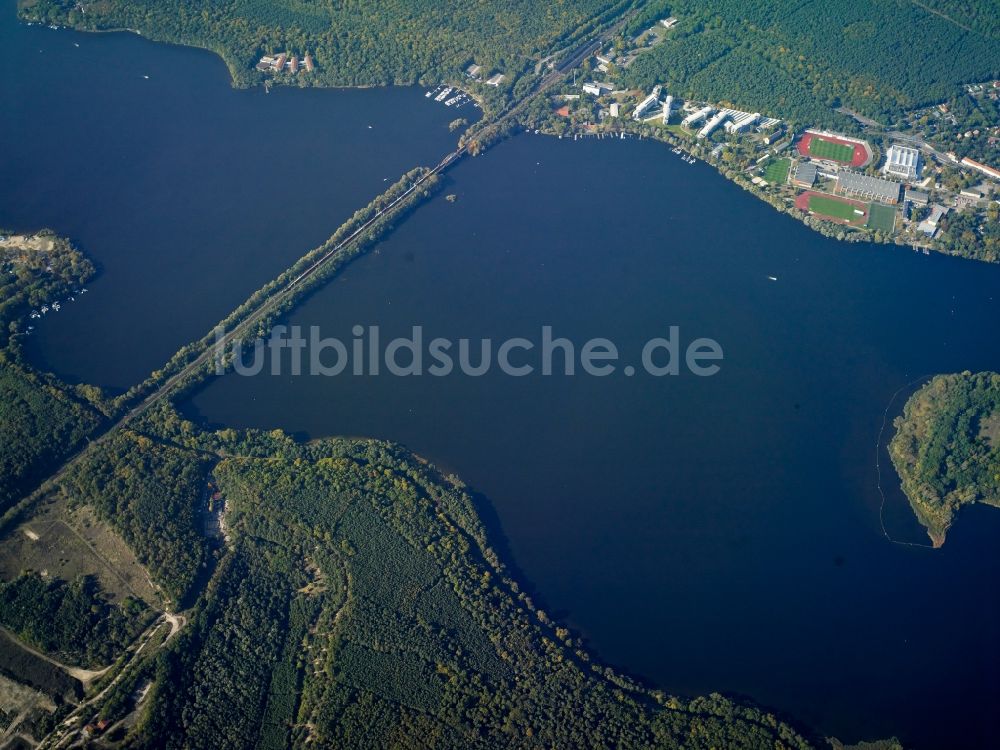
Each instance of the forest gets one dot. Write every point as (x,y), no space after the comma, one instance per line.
(72,621)
(968,235)
(947,448)
(359,604)
(39,424)
(354,43)
(152,495)
(799,61)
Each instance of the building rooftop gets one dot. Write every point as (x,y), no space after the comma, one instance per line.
(805,173)
(870,187)
(902,158)
(929,226)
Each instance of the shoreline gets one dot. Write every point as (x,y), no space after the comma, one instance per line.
(852,235)
(489,117)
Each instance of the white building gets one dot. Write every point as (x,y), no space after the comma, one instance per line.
(615,109)
(592,88)
(742,122)
(646,104)
(668,106)
(988,171)
(712,124)
(929,226)
(902,161)
(695,117)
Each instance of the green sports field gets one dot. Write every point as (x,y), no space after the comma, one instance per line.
(834,208)
(828,150)
(776,172)
(881,217)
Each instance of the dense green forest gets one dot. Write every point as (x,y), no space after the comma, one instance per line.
(801,60)
(151,494)
(72,621)
(359,604)
(982,15)
(966,234)
(357,42)
(39,424)
(947,447)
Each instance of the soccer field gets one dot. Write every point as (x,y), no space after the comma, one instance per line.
(776,172)
(881,217)
(835,209)
(829,150)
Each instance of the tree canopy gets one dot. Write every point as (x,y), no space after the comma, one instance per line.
(947,447)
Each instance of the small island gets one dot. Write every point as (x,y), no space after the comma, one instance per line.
(947,448)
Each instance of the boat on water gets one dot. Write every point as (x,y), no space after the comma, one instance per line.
(773,278)
(443,95)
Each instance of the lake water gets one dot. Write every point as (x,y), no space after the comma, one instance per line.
(706,534)
(703,533)
(188,193)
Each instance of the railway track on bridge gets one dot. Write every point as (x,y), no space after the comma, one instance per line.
(274,301)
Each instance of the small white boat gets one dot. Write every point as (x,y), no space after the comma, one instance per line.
(773,278)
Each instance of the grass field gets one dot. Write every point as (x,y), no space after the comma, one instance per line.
(834,208)
(882,217)
(828,150)
(776,172)
(70,543)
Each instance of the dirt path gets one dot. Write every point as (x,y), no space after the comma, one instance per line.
(939,14)
(86,676)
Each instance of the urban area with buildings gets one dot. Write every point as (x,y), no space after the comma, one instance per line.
(891,184)
(286,62)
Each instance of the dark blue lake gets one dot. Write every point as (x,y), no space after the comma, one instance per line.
(188,193)
(705,534)
(716,533)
